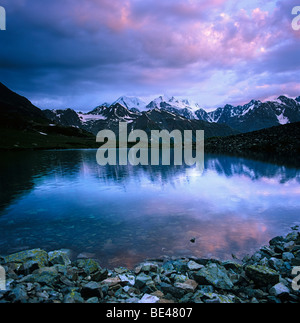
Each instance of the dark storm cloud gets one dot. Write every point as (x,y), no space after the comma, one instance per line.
(79,53)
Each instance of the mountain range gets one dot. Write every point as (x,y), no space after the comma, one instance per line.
(255,115)
(23,125)
(137,115)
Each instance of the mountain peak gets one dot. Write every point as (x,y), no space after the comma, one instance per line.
(13,102)
(167,102)
(288,101)
(282,98)
(130,102)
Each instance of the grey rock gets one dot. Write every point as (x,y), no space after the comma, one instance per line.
(295,261)
(287,256)
(142,279)
(178,278)
(132,300)
(128,278)
(168,267)
(38,255)
(275,263)
(45,276)
(73,297)
(188,286)
(28,267)
(264,261)
(91,289)
(257,256)
(231,265)
(19,294)
(267,252)
(92,300)
(67,281)
(88,265)
(288,245)
(192,265)
(170,289)
(149,267)
(99,275)
(149,299)
(213,274)
(59,257)
(279,290)
(215,298)
(180,266)
(262,275)
(277,240)
(292,236)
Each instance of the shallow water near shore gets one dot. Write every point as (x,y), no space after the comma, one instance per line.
(122,215)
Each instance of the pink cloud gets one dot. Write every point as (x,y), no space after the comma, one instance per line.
(152,44)
(181,32)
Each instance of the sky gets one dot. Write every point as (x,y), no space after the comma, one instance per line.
(80,53)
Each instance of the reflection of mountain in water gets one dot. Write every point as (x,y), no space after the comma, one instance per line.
(21,171)
(230,166)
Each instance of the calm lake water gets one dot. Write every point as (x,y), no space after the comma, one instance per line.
(123,215)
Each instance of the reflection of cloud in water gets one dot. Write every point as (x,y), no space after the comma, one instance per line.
(125,214)
(213,238)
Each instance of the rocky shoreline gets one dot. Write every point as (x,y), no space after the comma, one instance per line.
(268,276)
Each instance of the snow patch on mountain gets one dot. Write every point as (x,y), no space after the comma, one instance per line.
(90,117)
(282,119)
(164,101)
(131,103)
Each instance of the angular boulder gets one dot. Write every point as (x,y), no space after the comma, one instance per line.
(88,265)
(141,280)
(262,275)
(279,290)
(189,285)
(213,274)
(59,257)
(38,256)
(45,276)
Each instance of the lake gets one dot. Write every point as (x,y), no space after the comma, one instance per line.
(123,215)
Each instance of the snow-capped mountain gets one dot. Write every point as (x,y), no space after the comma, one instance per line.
(167,102)
(103,117)
(183,107)
(116,111)
(132,103)
(223,115)
(257,115)
(252,116)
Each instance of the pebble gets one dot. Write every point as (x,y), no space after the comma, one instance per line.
(35,276)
